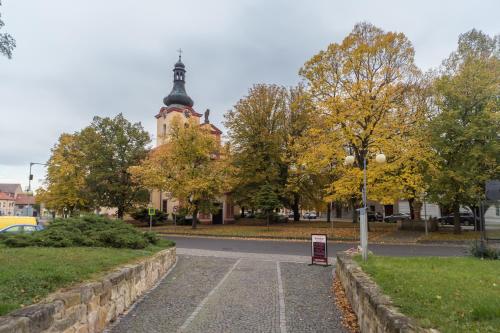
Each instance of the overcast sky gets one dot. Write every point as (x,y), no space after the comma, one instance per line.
(77,59)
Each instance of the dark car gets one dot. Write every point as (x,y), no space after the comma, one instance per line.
(20,228)
(374,217)
(396,217)
(466,218)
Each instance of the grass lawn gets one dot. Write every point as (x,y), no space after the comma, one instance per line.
(450,294)
(291,230)
(29,274)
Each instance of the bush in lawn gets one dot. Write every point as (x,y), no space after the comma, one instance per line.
(274,217)
(143,216)
(484,251)
(181,218)
(85,231)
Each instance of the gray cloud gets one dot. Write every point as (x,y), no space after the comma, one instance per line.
(75,60)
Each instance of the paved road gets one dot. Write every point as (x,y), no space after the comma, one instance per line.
(303,248)
(218,294)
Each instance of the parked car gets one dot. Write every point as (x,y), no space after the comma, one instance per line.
(310,215)
(249,215)
(375,217)
(397,217)
(20,228)
(466,218)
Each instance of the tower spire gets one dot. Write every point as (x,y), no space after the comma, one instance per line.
(178,95)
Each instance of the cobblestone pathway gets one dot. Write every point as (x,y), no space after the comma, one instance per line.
(206,293)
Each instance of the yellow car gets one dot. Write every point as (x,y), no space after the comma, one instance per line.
(7,221)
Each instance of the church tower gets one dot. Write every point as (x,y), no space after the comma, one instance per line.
(177,104)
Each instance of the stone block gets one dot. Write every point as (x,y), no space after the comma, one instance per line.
(40,316)
(102,315)
(116,277)
(93,304)
(92,321)
(70,298)
(14,324)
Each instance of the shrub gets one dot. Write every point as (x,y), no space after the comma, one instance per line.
(181,218)
(143,216)
(93,231)
(482,250)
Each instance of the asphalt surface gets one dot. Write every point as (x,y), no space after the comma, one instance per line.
(304,248)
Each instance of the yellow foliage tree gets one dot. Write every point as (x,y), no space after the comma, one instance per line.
(370,95)
(65,180)
(190,165)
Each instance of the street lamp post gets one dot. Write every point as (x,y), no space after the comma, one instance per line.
(30,178)
(363,219)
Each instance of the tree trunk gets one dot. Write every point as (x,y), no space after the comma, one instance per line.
(417,209)
(354,211)
(329,213)
(411,201)
(195,218)
(268,217)
(242,211)
(295,208)
(120,212)
(456,219)
(338,210)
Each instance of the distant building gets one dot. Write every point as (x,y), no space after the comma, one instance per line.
(19,203)
(179,105)
(7,204)
(12,189)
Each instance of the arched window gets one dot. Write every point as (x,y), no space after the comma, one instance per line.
(164,129)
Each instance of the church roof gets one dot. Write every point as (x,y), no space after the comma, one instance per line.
(178,95)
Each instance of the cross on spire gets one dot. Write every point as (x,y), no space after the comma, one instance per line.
(180,53)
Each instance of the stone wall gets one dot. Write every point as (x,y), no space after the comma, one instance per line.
(374,310)
(89,307)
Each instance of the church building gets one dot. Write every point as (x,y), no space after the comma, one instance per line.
(179,105)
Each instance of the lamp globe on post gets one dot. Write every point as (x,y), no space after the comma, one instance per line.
(349,160)
(380,158)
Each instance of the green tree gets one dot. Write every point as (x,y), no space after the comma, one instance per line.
(191,165)
(110,147)
(257,134)
(265,131)
(89,169)
(267,200)
(7,42)
(464,132)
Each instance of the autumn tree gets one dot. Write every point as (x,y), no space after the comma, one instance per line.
(363,89)
(265,131)
(65,188)
(89,169)
(464,132)
(7,42)
(191,165)
(257,133)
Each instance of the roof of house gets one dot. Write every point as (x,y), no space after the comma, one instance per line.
(6,196)
(24,199)
(10,188)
